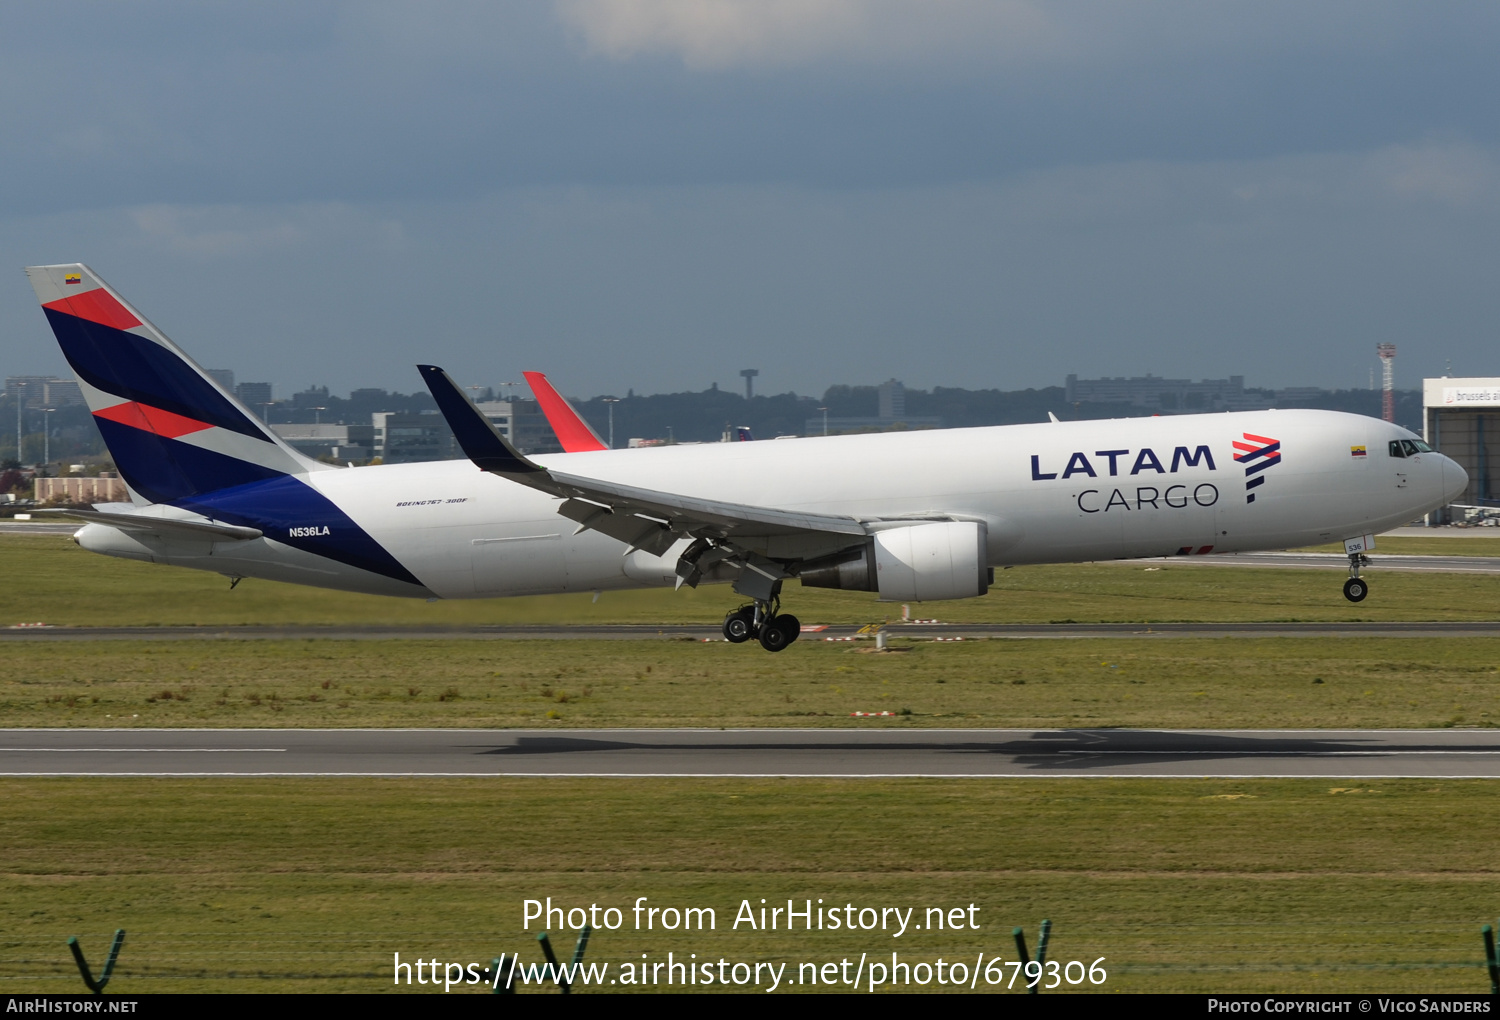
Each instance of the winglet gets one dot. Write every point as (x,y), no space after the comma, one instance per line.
(477,436)
(572,431)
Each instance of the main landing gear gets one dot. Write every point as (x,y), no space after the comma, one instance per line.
(761,620)
(1355,589)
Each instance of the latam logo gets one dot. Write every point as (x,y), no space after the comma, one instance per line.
(1143,461)
(309,532)
(1257,453)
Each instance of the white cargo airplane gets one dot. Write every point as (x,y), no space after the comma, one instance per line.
(913,516)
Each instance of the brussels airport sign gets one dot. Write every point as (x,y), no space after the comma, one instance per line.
(1454,396)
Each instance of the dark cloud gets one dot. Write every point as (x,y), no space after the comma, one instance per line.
(185,102)
(990,196)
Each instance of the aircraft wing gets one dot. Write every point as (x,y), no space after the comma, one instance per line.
(573,432)
(208,530)
(644,518)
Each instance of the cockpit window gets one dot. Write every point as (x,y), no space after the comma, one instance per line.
(1396,450)
(1421,446)
(1410,447)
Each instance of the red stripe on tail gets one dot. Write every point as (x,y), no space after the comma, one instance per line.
(96,305)
(152,419)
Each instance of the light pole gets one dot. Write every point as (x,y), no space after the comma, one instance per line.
(611,401)
(318,415)
(825,419)
(20,421)
(47,435)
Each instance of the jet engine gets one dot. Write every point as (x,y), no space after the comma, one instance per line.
(912,563)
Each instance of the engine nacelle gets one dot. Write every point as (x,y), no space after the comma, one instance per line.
(914,563)
(928,562)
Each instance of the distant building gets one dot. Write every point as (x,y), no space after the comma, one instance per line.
(1461,420)
(44,390)
(311,398)
(223,376)
(104,489)
(1155,394)
(401,438)
(342,443)
(891,395)
(522,422)
(254,395)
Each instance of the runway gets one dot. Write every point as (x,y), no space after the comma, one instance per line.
(10,527)
(712,632)
(1424,564)
(882,750)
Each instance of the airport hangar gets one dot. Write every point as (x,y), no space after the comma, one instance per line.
(1461,419)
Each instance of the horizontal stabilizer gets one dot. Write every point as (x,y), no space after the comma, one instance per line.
(209,530)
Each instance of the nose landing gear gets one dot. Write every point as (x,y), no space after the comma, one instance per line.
(1355,589)
(760,620)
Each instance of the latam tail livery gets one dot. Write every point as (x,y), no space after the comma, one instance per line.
(913,516)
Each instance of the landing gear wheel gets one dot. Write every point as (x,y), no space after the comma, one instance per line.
(773,638)
(790,624)
(1355,589)
(739,624)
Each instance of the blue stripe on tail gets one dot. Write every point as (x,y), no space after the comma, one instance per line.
(166,471)
(293,513)
(131,366)
(227,489)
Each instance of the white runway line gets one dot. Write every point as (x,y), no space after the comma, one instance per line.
(995,776)
(150,750)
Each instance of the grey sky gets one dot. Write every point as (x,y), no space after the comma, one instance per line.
(656,193)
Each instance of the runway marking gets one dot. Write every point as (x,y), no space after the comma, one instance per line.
(1233,753)
(161,750)
(759,775)
(1075,753)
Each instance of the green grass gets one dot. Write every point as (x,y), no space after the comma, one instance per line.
(1182,885)
(1481,545)
(1171,682)
(53,581)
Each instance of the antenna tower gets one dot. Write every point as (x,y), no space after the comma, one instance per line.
(1387,354)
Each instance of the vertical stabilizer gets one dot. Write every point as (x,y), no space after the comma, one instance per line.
(172,430)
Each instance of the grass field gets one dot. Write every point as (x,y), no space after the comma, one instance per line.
(1484,542)
(53,581)
(1169,682)
(1182,885)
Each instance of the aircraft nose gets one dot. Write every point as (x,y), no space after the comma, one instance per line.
(1455,479)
